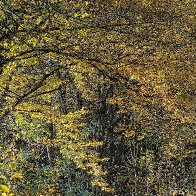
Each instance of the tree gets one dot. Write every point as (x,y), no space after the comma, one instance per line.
(108,78)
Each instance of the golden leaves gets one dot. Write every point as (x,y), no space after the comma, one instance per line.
(141,137)
(177,150)
(13,165)
(17,176)
(151,56)
(4,188)
(81,15)
(129,134)
(33,41)
(126,130)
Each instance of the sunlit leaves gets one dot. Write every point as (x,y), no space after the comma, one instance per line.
(4,188)
(17,176)
(126,62)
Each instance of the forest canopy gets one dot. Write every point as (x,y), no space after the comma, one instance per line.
(97,97)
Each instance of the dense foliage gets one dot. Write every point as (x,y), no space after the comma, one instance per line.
(97,97)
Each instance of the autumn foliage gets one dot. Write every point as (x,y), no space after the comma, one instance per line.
(97,97)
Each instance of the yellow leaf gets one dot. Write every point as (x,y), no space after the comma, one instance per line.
(3,194)
(141,137)
(13,165)
(17,176)
(76,47)
(33,41)
(85,15)
(129,134)
(76,15)
(4,188)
